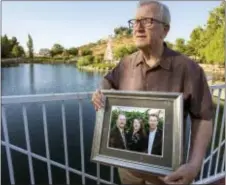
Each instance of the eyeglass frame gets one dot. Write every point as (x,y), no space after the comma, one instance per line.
(152,20)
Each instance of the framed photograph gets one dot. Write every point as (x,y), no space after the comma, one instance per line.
(140,131)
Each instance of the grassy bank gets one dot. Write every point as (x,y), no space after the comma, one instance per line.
(97,67)
(38,60)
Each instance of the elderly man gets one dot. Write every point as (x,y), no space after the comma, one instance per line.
(118,135)
(155,67)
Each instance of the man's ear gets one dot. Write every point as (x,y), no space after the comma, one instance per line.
(166,29)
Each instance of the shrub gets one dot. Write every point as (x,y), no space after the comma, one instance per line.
(85,60)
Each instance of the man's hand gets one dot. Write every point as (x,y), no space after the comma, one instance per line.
(185,174)
(97,100)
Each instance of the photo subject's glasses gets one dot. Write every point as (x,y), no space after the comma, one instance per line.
(145,22)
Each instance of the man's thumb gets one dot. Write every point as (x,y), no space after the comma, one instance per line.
(172,177)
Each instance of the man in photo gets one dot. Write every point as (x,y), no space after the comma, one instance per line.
(118,136)
(154,136)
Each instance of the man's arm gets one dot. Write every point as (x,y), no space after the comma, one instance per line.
(201,133)
(201,110)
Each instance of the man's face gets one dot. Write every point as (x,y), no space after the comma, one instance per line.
(147,35)
(153,122)
(121,121)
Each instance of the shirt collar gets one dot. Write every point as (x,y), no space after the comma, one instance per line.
(153,132)
(165,61)
(121,130)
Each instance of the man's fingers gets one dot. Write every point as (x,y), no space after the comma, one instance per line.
(98,101)
(161,178)
(172,177)
(97,105)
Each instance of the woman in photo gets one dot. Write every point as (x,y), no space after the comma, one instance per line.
(136,137)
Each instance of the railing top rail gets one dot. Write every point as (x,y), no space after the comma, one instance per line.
(34,98)
(218,86)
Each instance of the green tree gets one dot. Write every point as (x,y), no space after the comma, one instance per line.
(194,44)
(214,25)
(122,31)
(180,45)
(5,47)
(123,51)
(66,54)
(17,51)
(131,49)
(98,58)
(214,52)
(85,51)
(13,42)
(30,47)
(85,60)
(120,52)
(73,51)
(57,49)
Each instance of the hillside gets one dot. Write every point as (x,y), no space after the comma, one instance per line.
(100,46)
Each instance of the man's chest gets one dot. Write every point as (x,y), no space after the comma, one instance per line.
(158,79)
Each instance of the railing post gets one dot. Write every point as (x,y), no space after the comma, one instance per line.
(214,131)
(28,145)
(112,175)
(219,142)
(65,142)
(98,173)
(82,142)
(8,151)
(47,143)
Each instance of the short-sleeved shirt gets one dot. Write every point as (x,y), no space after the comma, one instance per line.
(174,73)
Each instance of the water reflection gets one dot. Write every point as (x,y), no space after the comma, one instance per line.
(32,79)
(47,78)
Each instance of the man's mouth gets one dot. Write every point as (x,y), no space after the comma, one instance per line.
(140,36)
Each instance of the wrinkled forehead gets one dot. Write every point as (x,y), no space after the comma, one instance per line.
(150,10)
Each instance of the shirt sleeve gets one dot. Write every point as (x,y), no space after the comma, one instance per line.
(200,104)
(111,79)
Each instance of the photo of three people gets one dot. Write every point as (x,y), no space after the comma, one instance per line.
(137,129)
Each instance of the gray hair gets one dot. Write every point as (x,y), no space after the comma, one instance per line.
(164,10)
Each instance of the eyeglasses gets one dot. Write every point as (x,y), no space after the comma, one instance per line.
(146,22)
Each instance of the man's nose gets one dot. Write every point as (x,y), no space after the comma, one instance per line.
(139,30)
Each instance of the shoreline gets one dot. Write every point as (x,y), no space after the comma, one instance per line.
(17,61)
(92,69)
(207,67)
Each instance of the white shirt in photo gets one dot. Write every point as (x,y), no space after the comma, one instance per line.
(151,140)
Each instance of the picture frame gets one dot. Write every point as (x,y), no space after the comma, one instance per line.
(172,140)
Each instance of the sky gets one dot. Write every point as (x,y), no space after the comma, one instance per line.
(74,23)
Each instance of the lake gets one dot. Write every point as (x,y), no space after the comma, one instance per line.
(44,79)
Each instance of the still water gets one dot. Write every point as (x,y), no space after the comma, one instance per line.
(41,79)
(44,79)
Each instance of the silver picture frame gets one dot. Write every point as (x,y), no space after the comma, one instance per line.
(173,144)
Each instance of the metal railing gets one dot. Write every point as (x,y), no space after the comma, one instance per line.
(6,100)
